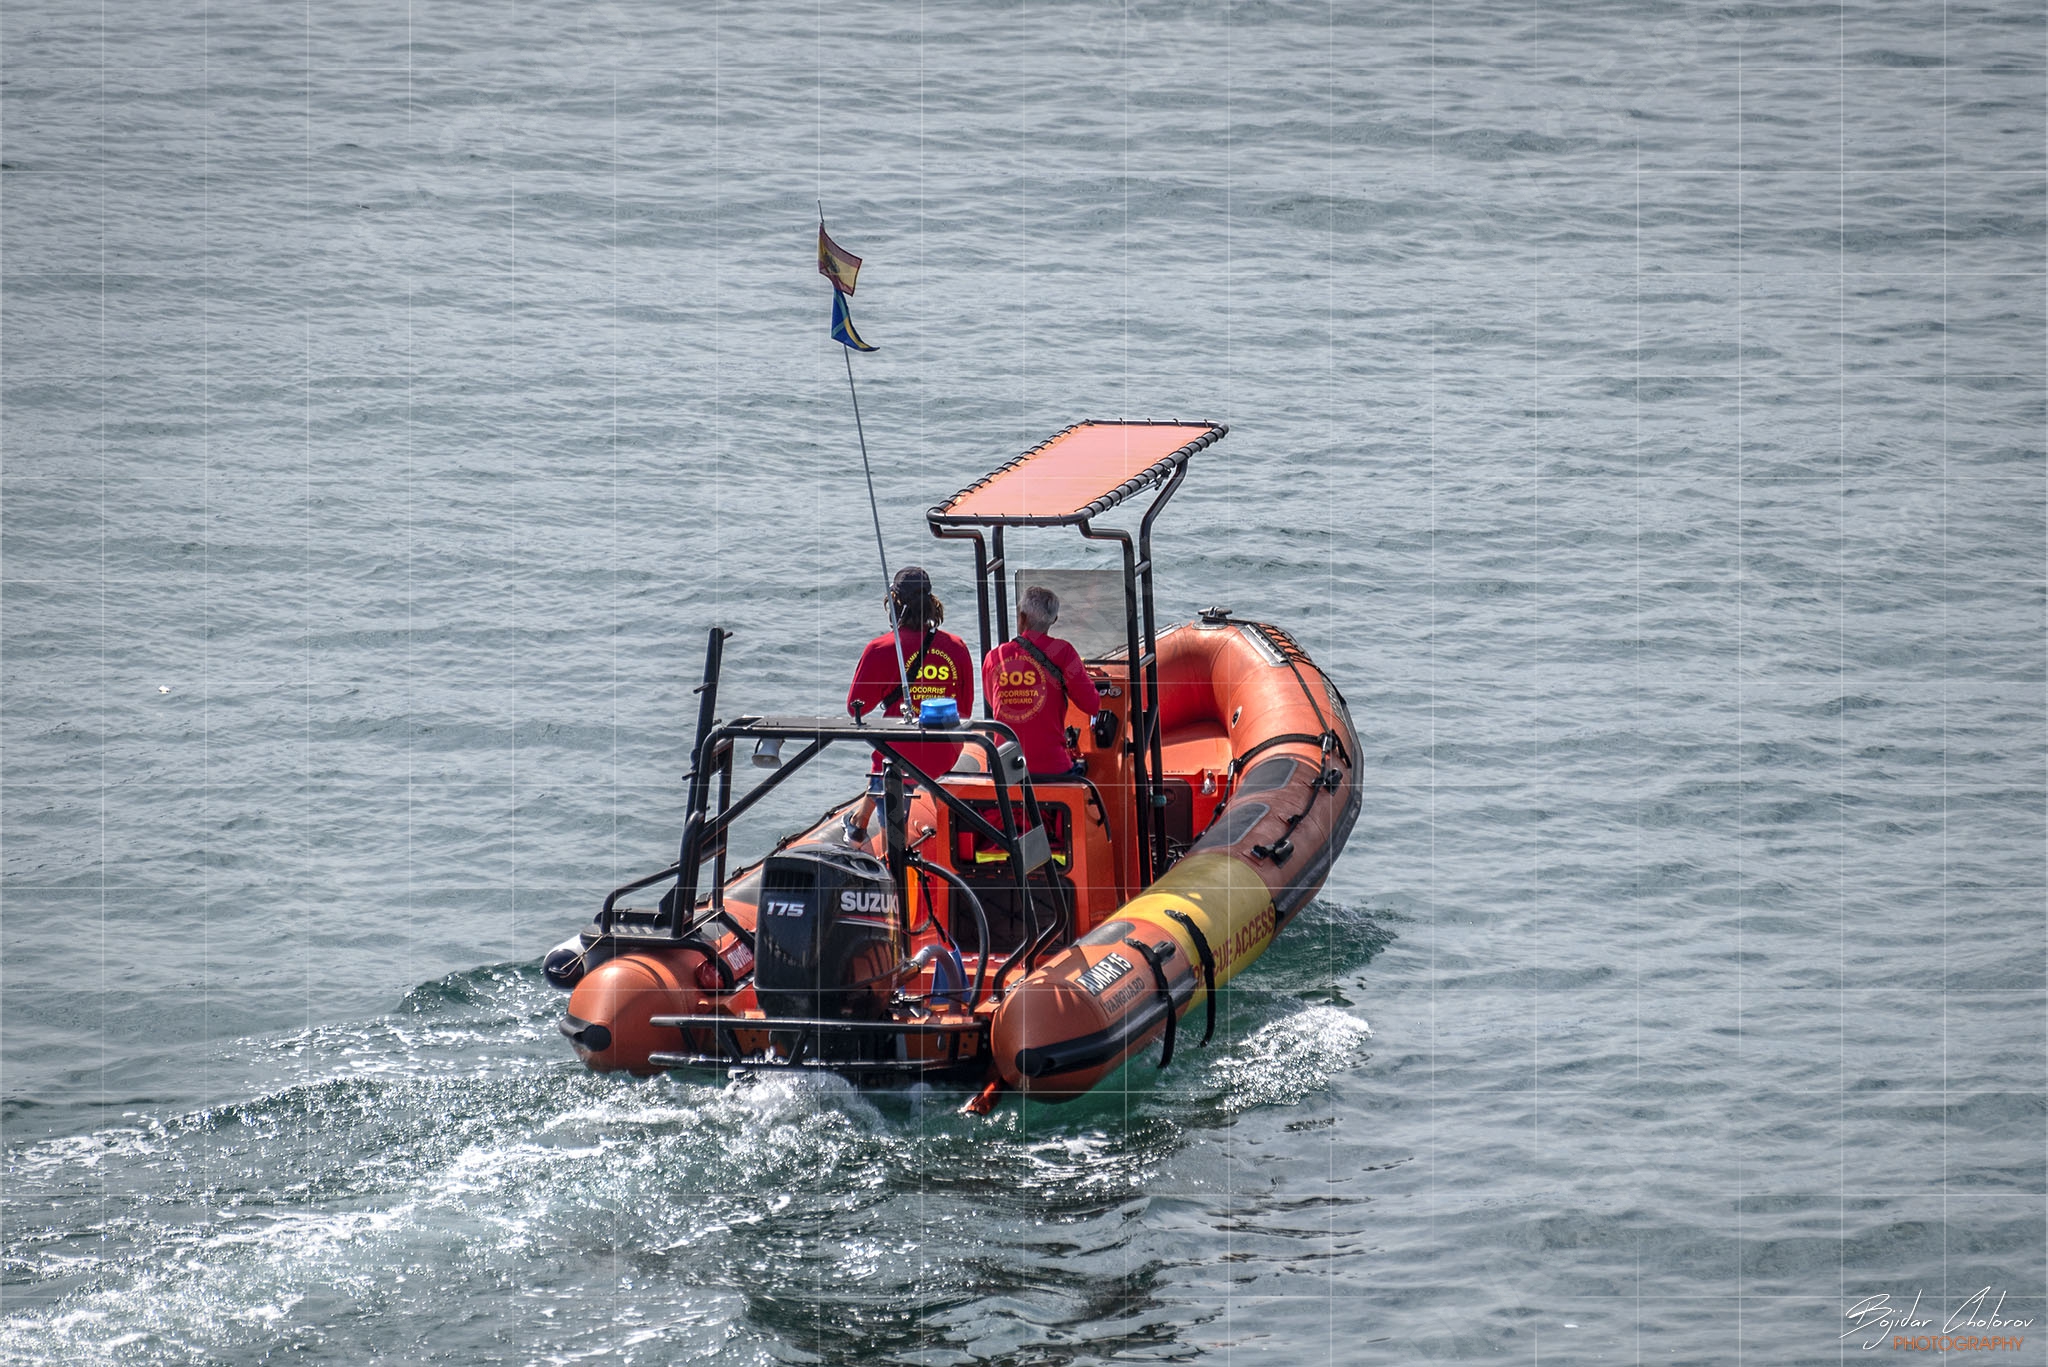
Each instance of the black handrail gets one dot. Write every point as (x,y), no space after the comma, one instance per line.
(986,736)
(980,919)
(699,777)
(980,575)
(1152,724)
(999,579)
(767,785)
(1141,634)
(604,916)
(1007,836)
(1139,744)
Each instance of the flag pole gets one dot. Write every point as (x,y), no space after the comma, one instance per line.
(874,511)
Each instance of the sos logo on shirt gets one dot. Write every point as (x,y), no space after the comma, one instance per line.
(934,679)
(1020,691)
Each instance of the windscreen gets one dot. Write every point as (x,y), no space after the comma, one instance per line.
(1091,608)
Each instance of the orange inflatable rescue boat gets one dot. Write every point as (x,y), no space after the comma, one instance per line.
(1001,928)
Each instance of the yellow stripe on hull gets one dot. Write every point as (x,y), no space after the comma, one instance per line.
(1227,901)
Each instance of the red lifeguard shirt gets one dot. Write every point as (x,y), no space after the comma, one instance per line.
(1020,692)
(947,671)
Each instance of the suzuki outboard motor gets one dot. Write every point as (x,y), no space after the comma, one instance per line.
(829,935)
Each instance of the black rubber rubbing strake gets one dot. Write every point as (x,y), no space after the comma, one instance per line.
(1322,742)
(1158,966)
(589,1034)
(1208,965)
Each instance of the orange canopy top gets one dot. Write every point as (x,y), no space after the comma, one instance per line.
(1090,467)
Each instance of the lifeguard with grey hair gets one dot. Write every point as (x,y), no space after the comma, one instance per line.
(1033,679)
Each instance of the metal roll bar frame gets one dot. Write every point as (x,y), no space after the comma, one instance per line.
(1143,739)
(705,828)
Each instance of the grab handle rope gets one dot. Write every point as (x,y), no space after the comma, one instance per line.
(1208,965)
(1157,962)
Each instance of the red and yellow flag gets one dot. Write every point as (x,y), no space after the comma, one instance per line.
(836,264)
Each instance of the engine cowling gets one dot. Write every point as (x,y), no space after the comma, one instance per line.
(827,934)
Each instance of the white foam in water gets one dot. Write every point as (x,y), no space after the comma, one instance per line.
(268,1313)
(466,1174)
(620,1110)
(88,1152)
(782,1097)
(1286,1060)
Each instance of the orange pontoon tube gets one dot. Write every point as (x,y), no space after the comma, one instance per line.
(1003,929)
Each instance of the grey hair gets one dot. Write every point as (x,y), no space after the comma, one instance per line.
(1039,608)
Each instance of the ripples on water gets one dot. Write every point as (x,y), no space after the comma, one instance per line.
(1636,407)
(444,1172)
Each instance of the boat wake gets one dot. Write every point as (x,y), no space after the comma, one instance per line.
(378,1178)
(1285,1061)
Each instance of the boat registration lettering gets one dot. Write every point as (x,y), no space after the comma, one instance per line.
(1249,937)
(772,907)
(1116,1000)
(1112,967)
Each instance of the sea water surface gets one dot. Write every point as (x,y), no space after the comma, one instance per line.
(1637,408)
